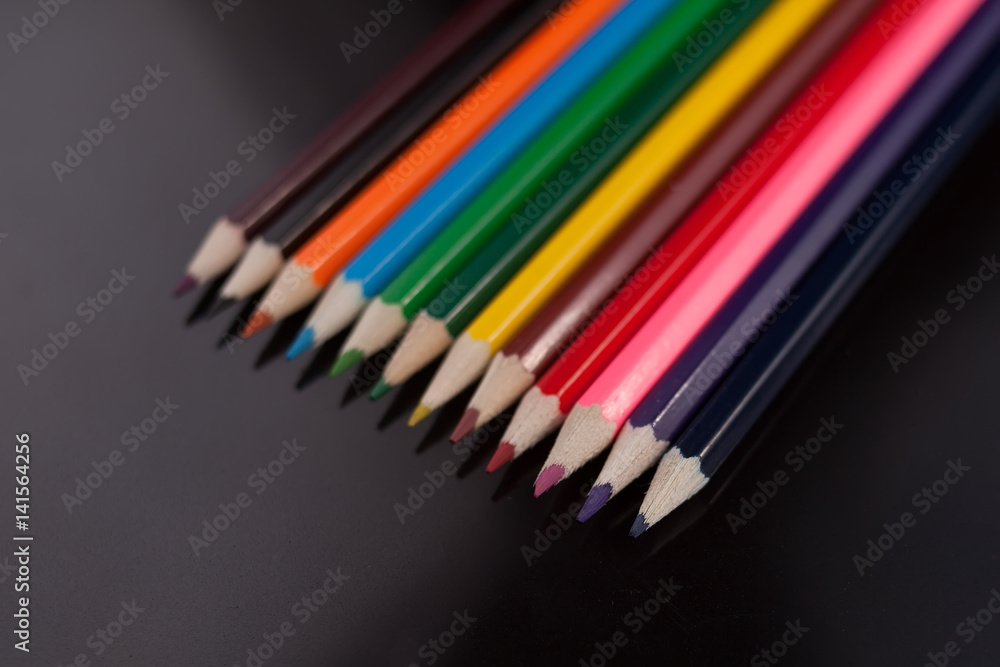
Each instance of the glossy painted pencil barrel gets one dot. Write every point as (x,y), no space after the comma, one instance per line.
(752,385)
(315,264)
(667,145)
(546,338)
(884,80)
(261,209)
(288,234)
(770,292)
(643,84)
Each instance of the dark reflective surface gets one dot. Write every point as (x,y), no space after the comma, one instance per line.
(465,549)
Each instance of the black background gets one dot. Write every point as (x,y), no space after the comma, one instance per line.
(333,507)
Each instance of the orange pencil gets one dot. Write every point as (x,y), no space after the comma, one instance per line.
(315,265)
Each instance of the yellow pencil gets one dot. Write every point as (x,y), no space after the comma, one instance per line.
(677,134)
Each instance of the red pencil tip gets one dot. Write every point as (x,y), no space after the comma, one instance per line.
(549,478)
(501,457)
(466,425)
(187,283)
(259,320)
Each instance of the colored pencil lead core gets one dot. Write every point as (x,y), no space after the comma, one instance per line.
(346,360)
(187,283)
(258,321)
(639,527)
(548,478)
(419,415)
(303,343)
(380,389)
(501,457)
(466,425)
(598,498)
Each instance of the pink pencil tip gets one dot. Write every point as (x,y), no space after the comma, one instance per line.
(501,457)
(549,478)
(187,283)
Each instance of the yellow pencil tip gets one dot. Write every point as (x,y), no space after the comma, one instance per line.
(419,414)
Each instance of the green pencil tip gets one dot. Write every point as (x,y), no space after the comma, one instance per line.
(380,389)
(346,360)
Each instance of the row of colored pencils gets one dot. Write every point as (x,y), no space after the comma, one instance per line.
(632,218)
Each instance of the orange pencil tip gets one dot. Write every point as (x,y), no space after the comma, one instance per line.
(259,320)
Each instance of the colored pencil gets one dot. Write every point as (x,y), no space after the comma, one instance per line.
(464,178)
(715,95)
(648,68)
(269,250)
(408,235)
(458,303)
(549,403)
(434,328)
(519,364)
(314,264)
(827,290)
(769,292)
(601,410)
(228,237)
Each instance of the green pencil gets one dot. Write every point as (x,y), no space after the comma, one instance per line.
(465,293)
(594,119)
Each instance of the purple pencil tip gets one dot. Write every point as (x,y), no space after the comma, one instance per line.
(598,498)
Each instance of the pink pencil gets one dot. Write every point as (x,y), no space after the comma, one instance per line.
(597,416)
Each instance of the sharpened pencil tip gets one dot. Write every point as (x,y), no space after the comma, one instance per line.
(598,498)
(380,389)
(419,415)
(303,343)
(639,527)
(258,321)
(346,360)
(187,283)
(549,478)
(501,457)
(466,425)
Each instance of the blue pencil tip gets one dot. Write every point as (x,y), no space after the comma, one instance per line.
(598,498)
(639,527)
(302,344)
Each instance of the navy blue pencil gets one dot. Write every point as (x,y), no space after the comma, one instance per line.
(767,294)
(751,385)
